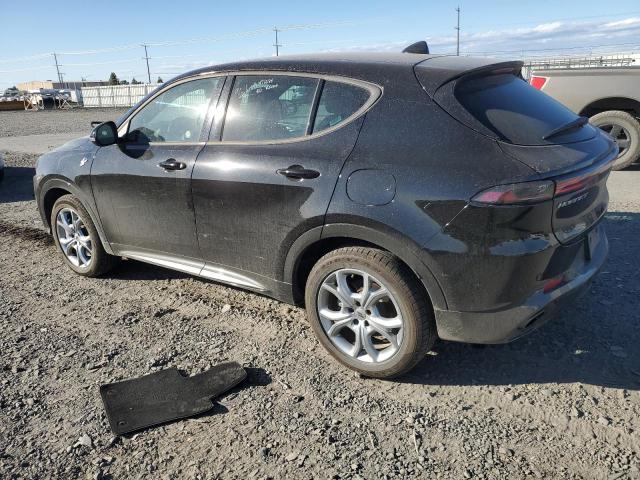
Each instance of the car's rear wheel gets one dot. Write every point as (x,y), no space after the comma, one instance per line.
(77,238)
(369,311)
(625,130)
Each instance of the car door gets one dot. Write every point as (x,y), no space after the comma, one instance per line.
(142,184)
(269,170)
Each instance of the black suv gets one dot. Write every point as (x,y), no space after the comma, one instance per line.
(399,197)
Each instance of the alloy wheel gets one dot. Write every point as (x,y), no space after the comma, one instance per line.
(74,237)
(360,316)
(619,134)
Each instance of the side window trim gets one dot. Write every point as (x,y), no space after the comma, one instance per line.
(375,93)
(227,100)
(314,107)
(210,118)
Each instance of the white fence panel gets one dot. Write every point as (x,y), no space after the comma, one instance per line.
(115,95)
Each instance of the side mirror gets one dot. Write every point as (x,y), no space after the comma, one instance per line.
(105,134)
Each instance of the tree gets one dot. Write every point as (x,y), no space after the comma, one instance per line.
(160,80)
(113,79)
(124,82)
(135,82)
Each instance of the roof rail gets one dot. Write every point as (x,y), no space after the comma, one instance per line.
(418,47)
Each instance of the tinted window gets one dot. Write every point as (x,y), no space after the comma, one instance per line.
(176,115)
(338,102)
(269,108)
(515,111)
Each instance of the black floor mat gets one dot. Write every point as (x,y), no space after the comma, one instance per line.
(166,395)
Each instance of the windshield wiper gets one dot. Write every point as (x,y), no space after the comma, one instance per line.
(578,122)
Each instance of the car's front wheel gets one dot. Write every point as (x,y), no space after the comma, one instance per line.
(77,238)
(369,311)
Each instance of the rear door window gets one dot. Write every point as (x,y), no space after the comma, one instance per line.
(337,103)
(269,107)
(513,111)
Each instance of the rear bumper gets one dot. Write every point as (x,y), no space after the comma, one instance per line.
(503,326)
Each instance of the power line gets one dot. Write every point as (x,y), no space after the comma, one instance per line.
(146,57)
(277,45)
(458,32)
(55,57)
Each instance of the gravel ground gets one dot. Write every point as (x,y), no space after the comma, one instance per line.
(21,122)
(563,402)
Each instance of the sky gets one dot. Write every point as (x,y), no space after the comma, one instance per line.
(92,39)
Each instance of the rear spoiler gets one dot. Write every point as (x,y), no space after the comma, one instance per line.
(435,72)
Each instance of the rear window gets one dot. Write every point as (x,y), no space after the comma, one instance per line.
(337,103)
(515,112)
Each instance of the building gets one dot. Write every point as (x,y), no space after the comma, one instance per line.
(51,85)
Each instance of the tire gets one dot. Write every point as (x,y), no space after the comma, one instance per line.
(624,128)
(85,254)
(406,301)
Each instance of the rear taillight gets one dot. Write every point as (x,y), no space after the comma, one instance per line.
(516,193)
(580,182)
(538,82)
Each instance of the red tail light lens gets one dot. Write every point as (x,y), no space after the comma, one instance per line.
(538,82)
(581,182)
(516,193)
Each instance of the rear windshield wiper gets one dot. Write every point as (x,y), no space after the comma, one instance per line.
(578,122)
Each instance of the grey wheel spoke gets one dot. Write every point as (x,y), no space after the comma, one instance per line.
(623,143)
(615,131)
(346,300)
(65,226)
(357,344)
(386,334)
(333,315)
(339,325)
(67,243)
(363,295)
(376,296)
(360,316)
(82,255)
(385,323)
(368,343)
(346,294)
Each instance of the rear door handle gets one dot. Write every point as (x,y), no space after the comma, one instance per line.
(298,172)
(172,164)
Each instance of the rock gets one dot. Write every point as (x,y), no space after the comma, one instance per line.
(604,421)
(84,441)
(225,308)
(292,456)
(113,441)
(576,413)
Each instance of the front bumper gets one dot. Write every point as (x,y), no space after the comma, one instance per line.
(503,326)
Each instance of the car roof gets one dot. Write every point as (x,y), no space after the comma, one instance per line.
(340,63)
(372,66)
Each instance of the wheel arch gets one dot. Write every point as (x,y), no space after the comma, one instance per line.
(54,188)
(315,243)
(625,104)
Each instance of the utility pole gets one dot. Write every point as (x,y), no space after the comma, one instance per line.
(55,57)
(146,57)
(277,45)
(458,32)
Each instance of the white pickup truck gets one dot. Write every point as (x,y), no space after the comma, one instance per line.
(609,96)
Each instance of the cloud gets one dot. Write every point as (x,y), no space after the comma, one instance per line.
(547,38)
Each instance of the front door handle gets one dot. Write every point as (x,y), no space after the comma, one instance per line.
(298,172)
(172,164)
